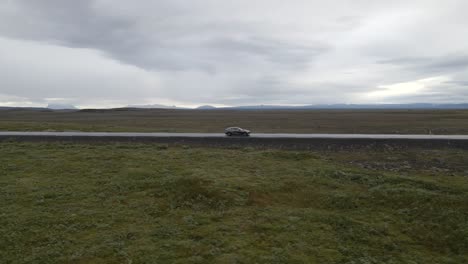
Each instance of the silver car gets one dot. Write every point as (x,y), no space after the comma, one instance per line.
(236,131)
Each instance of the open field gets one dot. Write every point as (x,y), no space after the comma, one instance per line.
(266,121)
(131,203)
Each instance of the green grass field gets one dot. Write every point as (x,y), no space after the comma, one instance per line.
(124,203)
(266,121)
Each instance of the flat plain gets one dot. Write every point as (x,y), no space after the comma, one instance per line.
(154,203)
(440,122)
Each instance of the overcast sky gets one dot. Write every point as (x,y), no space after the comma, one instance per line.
(109,53)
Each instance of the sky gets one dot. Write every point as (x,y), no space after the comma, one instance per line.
(113,53)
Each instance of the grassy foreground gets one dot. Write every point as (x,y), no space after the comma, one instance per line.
(123,203)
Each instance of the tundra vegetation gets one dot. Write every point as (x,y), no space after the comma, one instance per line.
(265,121)
(131,203)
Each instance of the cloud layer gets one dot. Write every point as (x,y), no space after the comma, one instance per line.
(113,52)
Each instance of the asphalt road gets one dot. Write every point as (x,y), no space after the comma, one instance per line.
(221,135)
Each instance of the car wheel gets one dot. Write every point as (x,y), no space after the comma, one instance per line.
(229,134)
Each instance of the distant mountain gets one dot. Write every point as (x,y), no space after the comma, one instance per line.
(392,106)
(420,106)
(264,107)
(156,106)
(61,107)
(206,107)
(356,106)
(21,108)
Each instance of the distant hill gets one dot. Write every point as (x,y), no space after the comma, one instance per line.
(356,106)
(22,108)
(264,107)
(156,106)
(420,106)
(61,107)
(206,107)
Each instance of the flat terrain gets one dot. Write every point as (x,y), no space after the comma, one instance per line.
(442,122)
(222,135)
(131,203)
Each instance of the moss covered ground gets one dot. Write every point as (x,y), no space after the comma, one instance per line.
(259,121)
(129,203)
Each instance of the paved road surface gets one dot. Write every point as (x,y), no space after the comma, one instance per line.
(220,135)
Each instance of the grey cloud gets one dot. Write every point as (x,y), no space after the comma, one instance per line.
(71,23)
(444,92)
(166,45)
(434,97)
(286,54)
(459,83)
(448,63)
(235,52)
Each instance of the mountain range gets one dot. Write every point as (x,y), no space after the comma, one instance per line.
(269,107)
